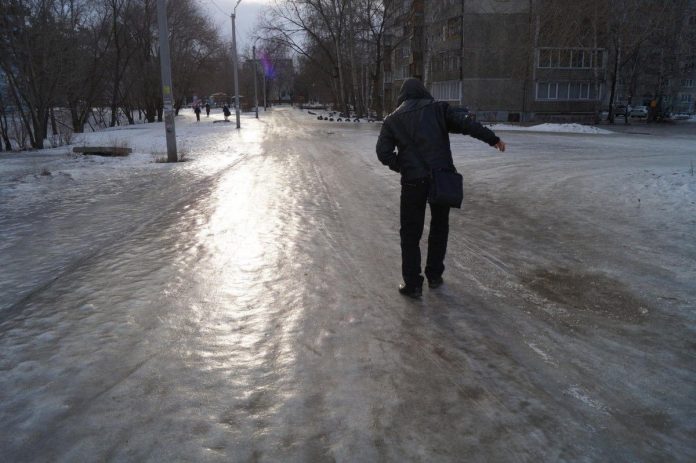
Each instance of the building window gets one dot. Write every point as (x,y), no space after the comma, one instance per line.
(401,72)
(445,91)
(454,27)
(685,98)
(570,58)
(547,91)
(566,91)
(444,62)
(688,83)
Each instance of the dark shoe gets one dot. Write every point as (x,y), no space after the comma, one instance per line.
(411,291)
(435,283)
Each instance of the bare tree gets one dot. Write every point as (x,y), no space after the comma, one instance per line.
(311,26)
(195,46)
(32,51)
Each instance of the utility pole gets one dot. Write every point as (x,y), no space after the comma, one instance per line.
(166,69)
(234,60)
(256,98)
(265,105)
(461,59)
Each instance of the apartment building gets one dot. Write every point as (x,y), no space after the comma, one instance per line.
(487,55)
(685,101)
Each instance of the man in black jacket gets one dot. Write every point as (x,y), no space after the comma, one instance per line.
(419,129)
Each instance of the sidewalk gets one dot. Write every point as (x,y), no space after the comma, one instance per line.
(641,127)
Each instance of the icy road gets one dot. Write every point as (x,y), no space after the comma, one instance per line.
(243,307)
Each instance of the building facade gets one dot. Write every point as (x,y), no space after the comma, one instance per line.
(487,55)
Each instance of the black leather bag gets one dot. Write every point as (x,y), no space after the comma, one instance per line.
(446,188)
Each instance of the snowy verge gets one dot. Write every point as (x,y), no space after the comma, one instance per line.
(329,116)
(27,174)
(548,127)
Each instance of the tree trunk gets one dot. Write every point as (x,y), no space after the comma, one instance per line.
(129,114)
(341,83)
(4,128)
(376,84)
(353,69)
(615,77)
(54,128)
(74,117)
(150,113)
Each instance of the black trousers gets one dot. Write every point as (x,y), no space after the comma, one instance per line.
(414,197)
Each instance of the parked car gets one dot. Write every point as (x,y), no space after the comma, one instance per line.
(679,116)
(621,110)
(639,111)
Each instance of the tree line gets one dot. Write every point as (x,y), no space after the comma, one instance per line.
(87,56)
(339,47)
(98,60)
(340,44)
(650,44)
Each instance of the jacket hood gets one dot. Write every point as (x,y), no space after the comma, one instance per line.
(413,89)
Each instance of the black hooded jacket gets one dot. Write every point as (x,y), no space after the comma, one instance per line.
(419,129)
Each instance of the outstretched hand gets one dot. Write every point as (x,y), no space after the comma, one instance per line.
(500,146)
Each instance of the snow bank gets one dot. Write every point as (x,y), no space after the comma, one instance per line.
(31,177)
(548,127)
(667,189)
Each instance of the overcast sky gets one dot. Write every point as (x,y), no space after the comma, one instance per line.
(247,14)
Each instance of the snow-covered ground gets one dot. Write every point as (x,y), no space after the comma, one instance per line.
(549,127)
(95,198)
(242,306)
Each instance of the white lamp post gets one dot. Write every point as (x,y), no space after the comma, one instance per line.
(234,61)
(256,98)
(166,70)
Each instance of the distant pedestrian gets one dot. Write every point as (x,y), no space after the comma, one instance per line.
(419,130)
(207,109)
(226,111)
(197,110)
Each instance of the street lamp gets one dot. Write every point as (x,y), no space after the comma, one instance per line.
(166,71)
(253,57)
(234,61)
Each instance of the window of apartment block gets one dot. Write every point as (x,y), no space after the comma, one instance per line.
(565,58)
(688,83)
(685,98)
(454,27)
(445,91)
(579,91)
(549,58)
(566,91)
(387,77)
(405,52)
(401,72)
(452,63)
(577,59)
(547,91)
